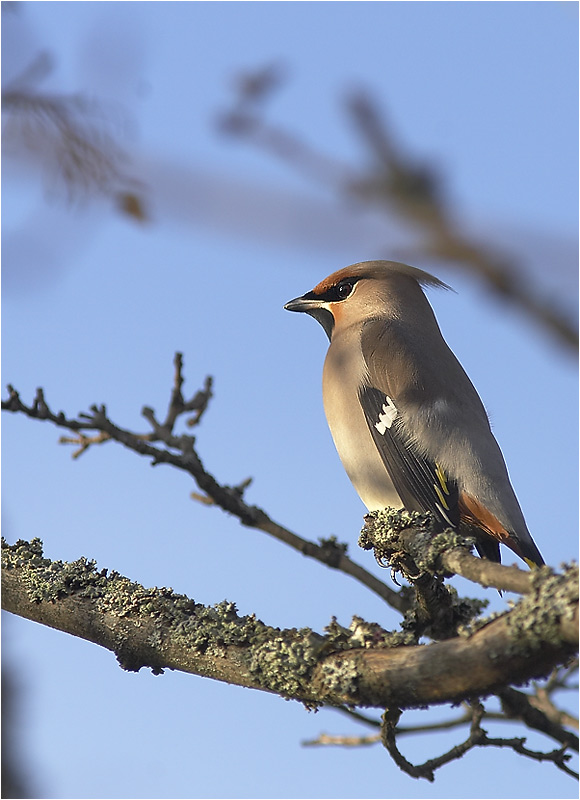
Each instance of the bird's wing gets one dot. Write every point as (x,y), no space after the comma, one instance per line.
(390,383)
(394,392)
(421,483)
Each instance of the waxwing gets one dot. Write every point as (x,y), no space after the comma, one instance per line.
(408,424)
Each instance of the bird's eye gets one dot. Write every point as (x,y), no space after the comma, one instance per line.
(343,289)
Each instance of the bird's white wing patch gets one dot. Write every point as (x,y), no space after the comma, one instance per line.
(387,416)
(420,482)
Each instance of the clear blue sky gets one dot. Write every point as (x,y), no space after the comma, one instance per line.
(95,307)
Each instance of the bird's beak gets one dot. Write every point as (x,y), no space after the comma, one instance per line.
(306,304)
(310,304)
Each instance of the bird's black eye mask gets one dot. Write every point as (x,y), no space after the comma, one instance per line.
(334,294)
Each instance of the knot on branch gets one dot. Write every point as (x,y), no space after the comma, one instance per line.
(332,550)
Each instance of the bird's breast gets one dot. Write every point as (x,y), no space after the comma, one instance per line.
(344,372)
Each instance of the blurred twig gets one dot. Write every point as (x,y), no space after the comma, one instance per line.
(244,119)
(395,182)
(71,136)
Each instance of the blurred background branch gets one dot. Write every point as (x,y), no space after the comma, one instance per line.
(71,137)
(401,185)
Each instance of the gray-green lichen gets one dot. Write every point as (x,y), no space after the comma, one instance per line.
(467,629)
(383,533)
(535,621)
(363,634)
(284,660)
(47,580)
(341,677)
(279,658)
(382,527)
(464,611)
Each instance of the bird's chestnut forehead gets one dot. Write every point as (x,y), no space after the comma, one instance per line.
(332,280)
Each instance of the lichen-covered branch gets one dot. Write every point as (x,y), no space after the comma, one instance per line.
(153,628)
(359,666)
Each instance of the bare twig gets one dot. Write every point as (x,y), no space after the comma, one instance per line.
(538,716)
(244,120)
(179,452)
(477,738)
(84,442)
(463,719)
(543,697)
(401,730)
(559,757)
